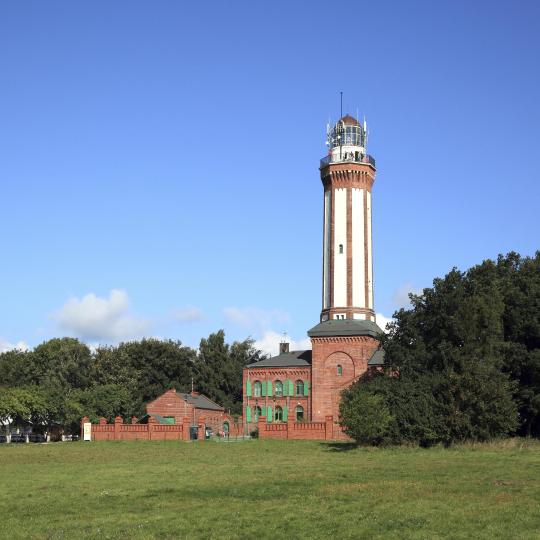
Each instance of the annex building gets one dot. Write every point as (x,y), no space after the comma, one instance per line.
(298,392)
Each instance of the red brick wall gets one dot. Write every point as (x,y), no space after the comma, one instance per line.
(352,353)
(314,431)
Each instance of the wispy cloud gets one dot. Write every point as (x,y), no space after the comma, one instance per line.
(382,321)
(98,319)
(401,295)
(254,319)
(188,314)
(7,346)
(270,340)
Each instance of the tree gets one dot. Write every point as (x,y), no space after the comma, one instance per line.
(219,367)
(365,416)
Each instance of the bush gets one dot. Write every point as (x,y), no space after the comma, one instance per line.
(365,417)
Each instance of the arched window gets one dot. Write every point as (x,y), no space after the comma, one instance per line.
(279,388)
(278,416)
(257,389)
(299,413)
(299,387)
(340,248)
(257,411)
(340,370)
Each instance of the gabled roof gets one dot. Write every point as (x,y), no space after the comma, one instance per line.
(290,359)
(200,401)
(345,327)
(377,358)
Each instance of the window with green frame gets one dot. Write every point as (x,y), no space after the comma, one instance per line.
(279,389)
(340,370)
(257,411)
(299,413)
(278,414)
(299,387)
(257,389)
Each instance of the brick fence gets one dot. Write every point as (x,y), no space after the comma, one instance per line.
(152,431)
(316,431)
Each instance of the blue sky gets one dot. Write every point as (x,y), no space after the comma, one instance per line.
(159,160)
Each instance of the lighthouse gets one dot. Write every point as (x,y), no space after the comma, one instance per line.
(347,174)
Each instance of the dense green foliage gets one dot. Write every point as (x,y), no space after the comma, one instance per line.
(62,380)
(269,489)
(464,360)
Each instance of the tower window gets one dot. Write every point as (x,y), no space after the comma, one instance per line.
(340,370)
(341,249)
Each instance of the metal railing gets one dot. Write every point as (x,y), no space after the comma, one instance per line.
(347,158)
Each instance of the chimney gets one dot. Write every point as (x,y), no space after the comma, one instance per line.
(194,394)
(283,347)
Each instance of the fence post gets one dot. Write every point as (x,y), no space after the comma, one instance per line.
(151,423)
(185,428)
(118,421)
(84,420)
(201,433)
(261,426)
(328,427)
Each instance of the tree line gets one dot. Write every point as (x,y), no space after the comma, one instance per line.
(463,363)
(62,380)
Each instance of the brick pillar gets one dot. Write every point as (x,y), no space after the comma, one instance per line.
(151,423)
(261,425)
(102,421)
(83,421)
(118,421)
(134,419)
(202,428)
(185,428)
(328,427)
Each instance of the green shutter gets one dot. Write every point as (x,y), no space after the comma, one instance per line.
(248,388)
(285,388)
(263,389)
(263,410)
(291,388)
(248,414)
(269,414)
(306,388)
(269,388)
(285,413)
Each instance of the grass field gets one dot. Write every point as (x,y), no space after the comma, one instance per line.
(268,489)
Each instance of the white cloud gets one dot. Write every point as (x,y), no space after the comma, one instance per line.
(255,319)
(401,295)
(7,346)
(101,319)
(269,343)
(189,314)
(382,321)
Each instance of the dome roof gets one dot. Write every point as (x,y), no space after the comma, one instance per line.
(349,120)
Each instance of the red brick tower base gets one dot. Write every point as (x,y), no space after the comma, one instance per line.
(337,362)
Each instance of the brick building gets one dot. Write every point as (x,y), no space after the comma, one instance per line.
(305,386)
(173,407)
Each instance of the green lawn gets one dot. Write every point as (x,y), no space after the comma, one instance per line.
(268,489)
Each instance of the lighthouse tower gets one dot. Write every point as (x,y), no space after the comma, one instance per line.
(347,174)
